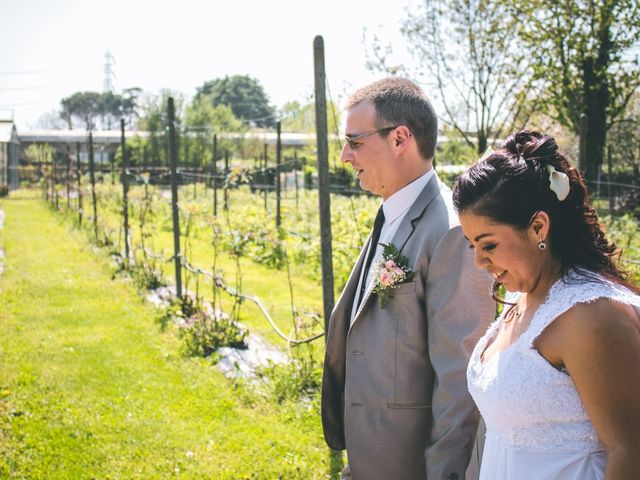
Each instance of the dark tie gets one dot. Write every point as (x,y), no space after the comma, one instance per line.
(375,236)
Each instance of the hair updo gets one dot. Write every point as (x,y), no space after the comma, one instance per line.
(512,184)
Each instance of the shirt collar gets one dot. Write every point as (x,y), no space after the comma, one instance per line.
(399,202)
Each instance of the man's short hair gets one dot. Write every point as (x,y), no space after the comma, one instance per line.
(399,101)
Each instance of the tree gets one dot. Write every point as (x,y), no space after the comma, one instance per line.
(624,137)
(583,52)
(36,153)
(51,120)
(469,59)
(202,120)
(109,108)
(298,117)
(81,105)
(129,104)
(243,94)
(153,119)
(100,109)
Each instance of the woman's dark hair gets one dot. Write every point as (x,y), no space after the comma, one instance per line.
(512,184)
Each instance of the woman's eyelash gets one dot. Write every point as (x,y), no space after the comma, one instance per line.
(486,248)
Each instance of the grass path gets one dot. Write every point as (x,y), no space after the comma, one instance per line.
(90,387)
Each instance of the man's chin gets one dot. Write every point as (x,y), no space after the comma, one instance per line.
(363,186)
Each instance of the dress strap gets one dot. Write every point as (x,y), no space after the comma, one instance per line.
(569,291)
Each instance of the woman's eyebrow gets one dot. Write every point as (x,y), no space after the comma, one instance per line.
(481,236)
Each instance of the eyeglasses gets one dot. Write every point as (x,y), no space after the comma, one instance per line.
(351,139)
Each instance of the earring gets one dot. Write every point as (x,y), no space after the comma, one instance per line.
(542,246)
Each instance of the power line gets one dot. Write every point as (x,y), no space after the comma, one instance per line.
(24,72)
(10,89)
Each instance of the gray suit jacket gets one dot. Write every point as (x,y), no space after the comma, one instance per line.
(394,390)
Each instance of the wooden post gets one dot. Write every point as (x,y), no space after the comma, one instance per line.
(265,177)
(278,179)
(610,174)
(226,175)
(125,192)
(295,178)
(113,168)
(54,180)
(323,179)
(173,158)
(67,177)
(47,178)
(214,181)
(92,179)
(79,169)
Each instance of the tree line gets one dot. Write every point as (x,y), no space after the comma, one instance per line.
(494,66)
(497,65)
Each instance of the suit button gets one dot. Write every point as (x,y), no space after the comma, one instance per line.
(356,352)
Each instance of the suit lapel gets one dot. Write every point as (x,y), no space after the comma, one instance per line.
(405,229)
(344,305)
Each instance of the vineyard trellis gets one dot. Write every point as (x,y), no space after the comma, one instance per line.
(262,178)
(142,255)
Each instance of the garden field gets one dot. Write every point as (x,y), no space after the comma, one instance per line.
(96,382)
(92,387)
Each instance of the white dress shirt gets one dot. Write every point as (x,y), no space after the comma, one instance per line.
(395,208)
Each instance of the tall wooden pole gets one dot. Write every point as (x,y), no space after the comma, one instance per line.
(54,180)
(92,179)
(295,177)
(226,176)
(214,182)
(79,169)
(173,154)
(278,180)
(67,177)
(265,177)
(125,192)
(323,179)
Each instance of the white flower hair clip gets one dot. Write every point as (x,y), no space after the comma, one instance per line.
(558,183)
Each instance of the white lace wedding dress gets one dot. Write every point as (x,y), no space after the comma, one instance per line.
(537,428)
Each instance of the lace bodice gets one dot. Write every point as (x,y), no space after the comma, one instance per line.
(524,400)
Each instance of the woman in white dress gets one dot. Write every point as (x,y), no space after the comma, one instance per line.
(557,375)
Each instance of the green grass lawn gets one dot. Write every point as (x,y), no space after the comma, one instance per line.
(90,387)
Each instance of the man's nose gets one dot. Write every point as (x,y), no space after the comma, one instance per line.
(346,154)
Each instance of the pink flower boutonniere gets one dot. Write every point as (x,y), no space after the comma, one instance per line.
(390,272)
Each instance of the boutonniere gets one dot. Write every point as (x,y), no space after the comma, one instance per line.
(390,272)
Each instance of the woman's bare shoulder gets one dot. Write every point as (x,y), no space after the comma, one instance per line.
(601,321)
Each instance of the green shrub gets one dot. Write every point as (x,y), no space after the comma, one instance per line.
(301,378)
(203,330)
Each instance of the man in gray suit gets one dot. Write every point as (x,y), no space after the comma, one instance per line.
(394,390)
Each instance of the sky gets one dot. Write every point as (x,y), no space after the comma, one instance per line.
(50,49)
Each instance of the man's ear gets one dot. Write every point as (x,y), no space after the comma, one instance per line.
(402,134)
